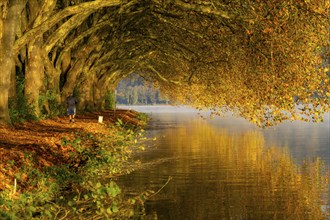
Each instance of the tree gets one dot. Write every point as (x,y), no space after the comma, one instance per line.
(261,59)
(9,23)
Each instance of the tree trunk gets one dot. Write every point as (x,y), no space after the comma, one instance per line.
(34,75)
(12,89)
(71,78)
(78,67)
(99,95)
(86,96)
(99,88)
(53,79)
(9,21)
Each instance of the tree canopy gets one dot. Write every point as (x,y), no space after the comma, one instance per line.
(265,60)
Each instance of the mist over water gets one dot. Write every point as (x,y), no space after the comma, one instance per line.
(227,168)
(304,139)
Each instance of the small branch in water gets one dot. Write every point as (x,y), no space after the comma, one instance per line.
(168,180)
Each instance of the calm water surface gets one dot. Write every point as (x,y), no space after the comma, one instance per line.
(226,168)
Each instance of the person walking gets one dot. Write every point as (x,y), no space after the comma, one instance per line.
(71,102)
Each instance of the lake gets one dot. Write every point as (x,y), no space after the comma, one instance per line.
(227,168)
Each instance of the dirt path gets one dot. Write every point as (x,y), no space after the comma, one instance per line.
(43,140)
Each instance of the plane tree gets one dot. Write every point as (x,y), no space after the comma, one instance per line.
(257,58)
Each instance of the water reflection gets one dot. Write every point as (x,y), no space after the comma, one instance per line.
(218,174)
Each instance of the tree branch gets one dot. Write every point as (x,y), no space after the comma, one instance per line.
(42,28)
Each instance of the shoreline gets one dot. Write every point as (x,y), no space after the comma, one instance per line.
(50,161)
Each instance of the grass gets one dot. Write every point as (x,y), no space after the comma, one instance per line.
(83,187)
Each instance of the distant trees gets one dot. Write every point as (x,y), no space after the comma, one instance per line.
(134,90)
(261,59)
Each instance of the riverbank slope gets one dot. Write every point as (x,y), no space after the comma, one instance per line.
(34,154)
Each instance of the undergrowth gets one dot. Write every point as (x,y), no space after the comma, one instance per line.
(82,188)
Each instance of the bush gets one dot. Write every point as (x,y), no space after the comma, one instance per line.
(19,110)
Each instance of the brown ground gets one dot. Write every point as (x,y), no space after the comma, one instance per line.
(42,139)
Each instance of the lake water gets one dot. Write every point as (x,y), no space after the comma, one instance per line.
(227,168)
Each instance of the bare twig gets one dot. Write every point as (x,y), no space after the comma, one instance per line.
(168,180)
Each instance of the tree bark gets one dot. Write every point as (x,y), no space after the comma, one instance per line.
(46,25)
(12,89)
(86,96)
(99,93)
(34,75)
(71,78)
(9,22)
(78,66)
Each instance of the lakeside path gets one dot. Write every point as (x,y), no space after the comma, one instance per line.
(39,143)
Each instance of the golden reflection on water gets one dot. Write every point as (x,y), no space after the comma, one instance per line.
(221,175)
